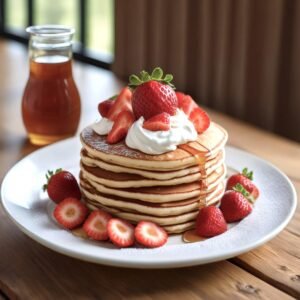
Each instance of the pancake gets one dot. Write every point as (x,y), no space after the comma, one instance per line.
(207,145)
(154,209)
(159,175)
(124,180)
(160,194)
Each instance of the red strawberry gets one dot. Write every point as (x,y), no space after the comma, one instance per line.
(70,213)
(121,126)
(60,185)
(158,122)
(95,225)
(122,103)
(200,119)
(150,235)
(235,206)
(245,179)
(105,106)
(120,232)
(186,103)
(153,94)
(210,222)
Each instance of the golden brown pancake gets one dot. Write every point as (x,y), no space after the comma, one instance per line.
(210,166)
(208,144)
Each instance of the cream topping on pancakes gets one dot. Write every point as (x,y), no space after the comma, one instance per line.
(157,142)
(103,126)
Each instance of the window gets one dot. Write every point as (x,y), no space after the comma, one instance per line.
(92,19)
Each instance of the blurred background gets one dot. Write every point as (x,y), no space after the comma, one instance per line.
(240,57)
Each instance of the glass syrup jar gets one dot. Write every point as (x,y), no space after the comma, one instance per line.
(51,102)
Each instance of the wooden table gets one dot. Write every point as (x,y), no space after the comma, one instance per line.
(31,271)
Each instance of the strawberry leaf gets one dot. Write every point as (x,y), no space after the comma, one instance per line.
(239,188)
(247,174)
(145,76)
(168,78)
(134,80)
(157,73)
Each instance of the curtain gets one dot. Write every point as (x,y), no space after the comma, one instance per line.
(241,57)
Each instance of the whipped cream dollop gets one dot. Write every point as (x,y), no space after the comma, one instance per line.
(103,126)
(181,131)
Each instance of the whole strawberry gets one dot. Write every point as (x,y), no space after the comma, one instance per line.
(234,204)
(210,222)
(61,185)
(245,179)
(153,94)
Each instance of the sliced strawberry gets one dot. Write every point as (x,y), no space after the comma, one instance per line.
(122,103)
(210,222)
(70,213)
(150,235)
(121,126)
(120,232)
(158,122)
(95,225)
(186,103)
(200,119)
(105,106)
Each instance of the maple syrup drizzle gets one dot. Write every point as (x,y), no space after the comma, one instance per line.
(79,232)
(191,236)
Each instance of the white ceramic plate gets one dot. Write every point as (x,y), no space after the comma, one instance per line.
(30,209)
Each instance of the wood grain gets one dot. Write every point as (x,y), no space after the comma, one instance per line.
(31,271)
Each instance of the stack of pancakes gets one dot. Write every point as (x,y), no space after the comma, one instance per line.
(167,189)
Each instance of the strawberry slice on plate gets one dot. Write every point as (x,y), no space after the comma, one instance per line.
(122,103)
(150,235)
(105,106)
(210,222)
(200,119)
(120,232)
(95,225)
(158,122)
(121,126)
(70,213)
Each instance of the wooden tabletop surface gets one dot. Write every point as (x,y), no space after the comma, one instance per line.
(31,271)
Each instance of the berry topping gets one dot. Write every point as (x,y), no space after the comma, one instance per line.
(158,122)
(60,185)
(150,235)
(245,179)
(235,206)
(186,103)
(200,119)
(121,126)
(122,103)
(153,94)
(95,225)
(105,106)
(120,232)
(210,222)
(70,213)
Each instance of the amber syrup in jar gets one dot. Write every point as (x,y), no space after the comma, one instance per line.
(51,102)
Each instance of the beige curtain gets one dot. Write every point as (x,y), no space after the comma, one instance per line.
(241,57)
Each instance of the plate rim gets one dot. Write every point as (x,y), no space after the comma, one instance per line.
(182,262)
